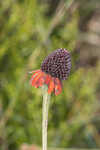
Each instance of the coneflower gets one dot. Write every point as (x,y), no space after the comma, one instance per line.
(55,68)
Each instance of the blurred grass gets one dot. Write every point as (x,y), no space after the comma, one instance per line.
(70,149)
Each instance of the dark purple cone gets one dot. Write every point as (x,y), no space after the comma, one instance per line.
(57,64)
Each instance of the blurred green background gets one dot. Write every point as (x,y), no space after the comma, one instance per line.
(29,31)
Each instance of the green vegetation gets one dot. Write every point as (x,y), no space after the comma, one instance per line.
(29,31)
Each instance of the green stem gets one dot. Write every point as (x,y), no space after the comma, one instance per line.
(46,98)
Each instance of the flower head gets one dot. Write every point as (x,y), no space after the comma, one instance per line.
(55,68)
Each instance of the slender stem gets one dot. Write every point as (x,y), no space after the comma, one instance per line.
(46,98)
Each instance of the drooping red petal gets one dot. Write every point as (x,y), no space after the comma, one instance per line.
(35,78)
(51,86)
(47,80)
(41,80)
(34,75)
(58,86)
(38,78)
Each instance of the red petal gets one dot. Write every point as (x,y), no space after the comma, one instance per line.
(47,80)
(35,78)
(41,80)
(58,86)
(35,74)
(51,86)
